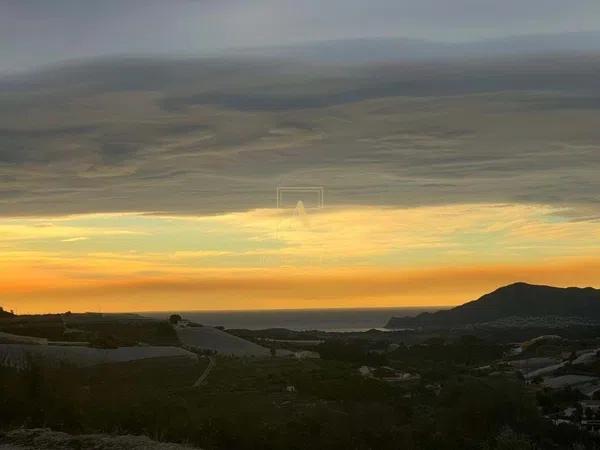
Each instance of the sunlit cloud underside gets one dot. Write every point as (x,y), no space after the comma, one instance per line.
(282,258)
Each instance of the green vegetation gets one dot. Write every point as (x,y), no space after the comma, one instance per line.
(438,358)
(276,403)
(131,333)
(367,391)
(174,319)
(353,351)
(44,326)
(553,401)
(100,331)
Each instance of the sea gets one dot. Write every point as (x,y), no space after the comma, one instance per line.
(332,320)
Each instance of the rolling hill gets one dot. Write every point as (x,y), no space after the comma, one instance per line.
(519,300)
(396,49)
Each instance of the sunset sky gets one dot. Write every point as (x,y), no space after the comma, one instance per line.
(147,182)
(358,256)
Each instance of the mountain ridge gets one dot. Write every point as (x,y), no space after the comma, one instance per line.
(376,49)
(514,300)
(355,51)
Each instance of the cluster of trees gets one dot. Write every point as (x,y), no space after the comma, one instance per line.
(98,334)
(246,406)
(356,351)
(118,334)
(174,319)
(4,313)
(437,357)
(328,411)
(465,350)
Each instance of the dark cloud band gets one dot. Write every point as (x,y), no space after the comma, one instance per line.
(207,136)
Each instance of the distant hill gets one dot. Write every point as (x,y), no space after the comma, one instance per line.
(517,300)
(5,313)
(369,50)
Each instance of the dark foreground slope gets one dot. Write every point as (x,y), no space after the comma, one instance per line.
(516,300)
(40,438)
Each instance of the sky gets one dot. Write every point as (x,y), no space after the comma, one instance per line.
(150,181)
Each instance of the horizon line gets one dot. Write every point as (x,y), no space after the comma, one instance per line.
(140,312)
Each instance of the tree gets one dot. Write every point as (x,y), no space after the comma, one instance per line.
(175,319)
(507,439)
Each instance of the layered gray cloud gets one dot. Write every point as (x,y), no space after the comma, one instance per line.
(214,135)
(34,32)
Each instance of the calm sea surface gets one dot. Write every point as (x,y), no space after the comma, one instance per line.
(307,319)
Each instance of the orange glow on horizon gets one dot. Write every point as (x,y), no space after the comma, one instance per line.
(339,257)
(255,289)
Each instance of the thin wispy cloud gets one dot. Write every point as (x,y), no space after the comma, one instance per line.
(75,239)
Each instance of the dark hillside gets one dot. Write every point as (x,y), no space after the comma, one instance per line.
(515,300)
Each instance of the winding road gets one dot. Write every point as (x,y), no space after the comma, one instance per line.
(212,362)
